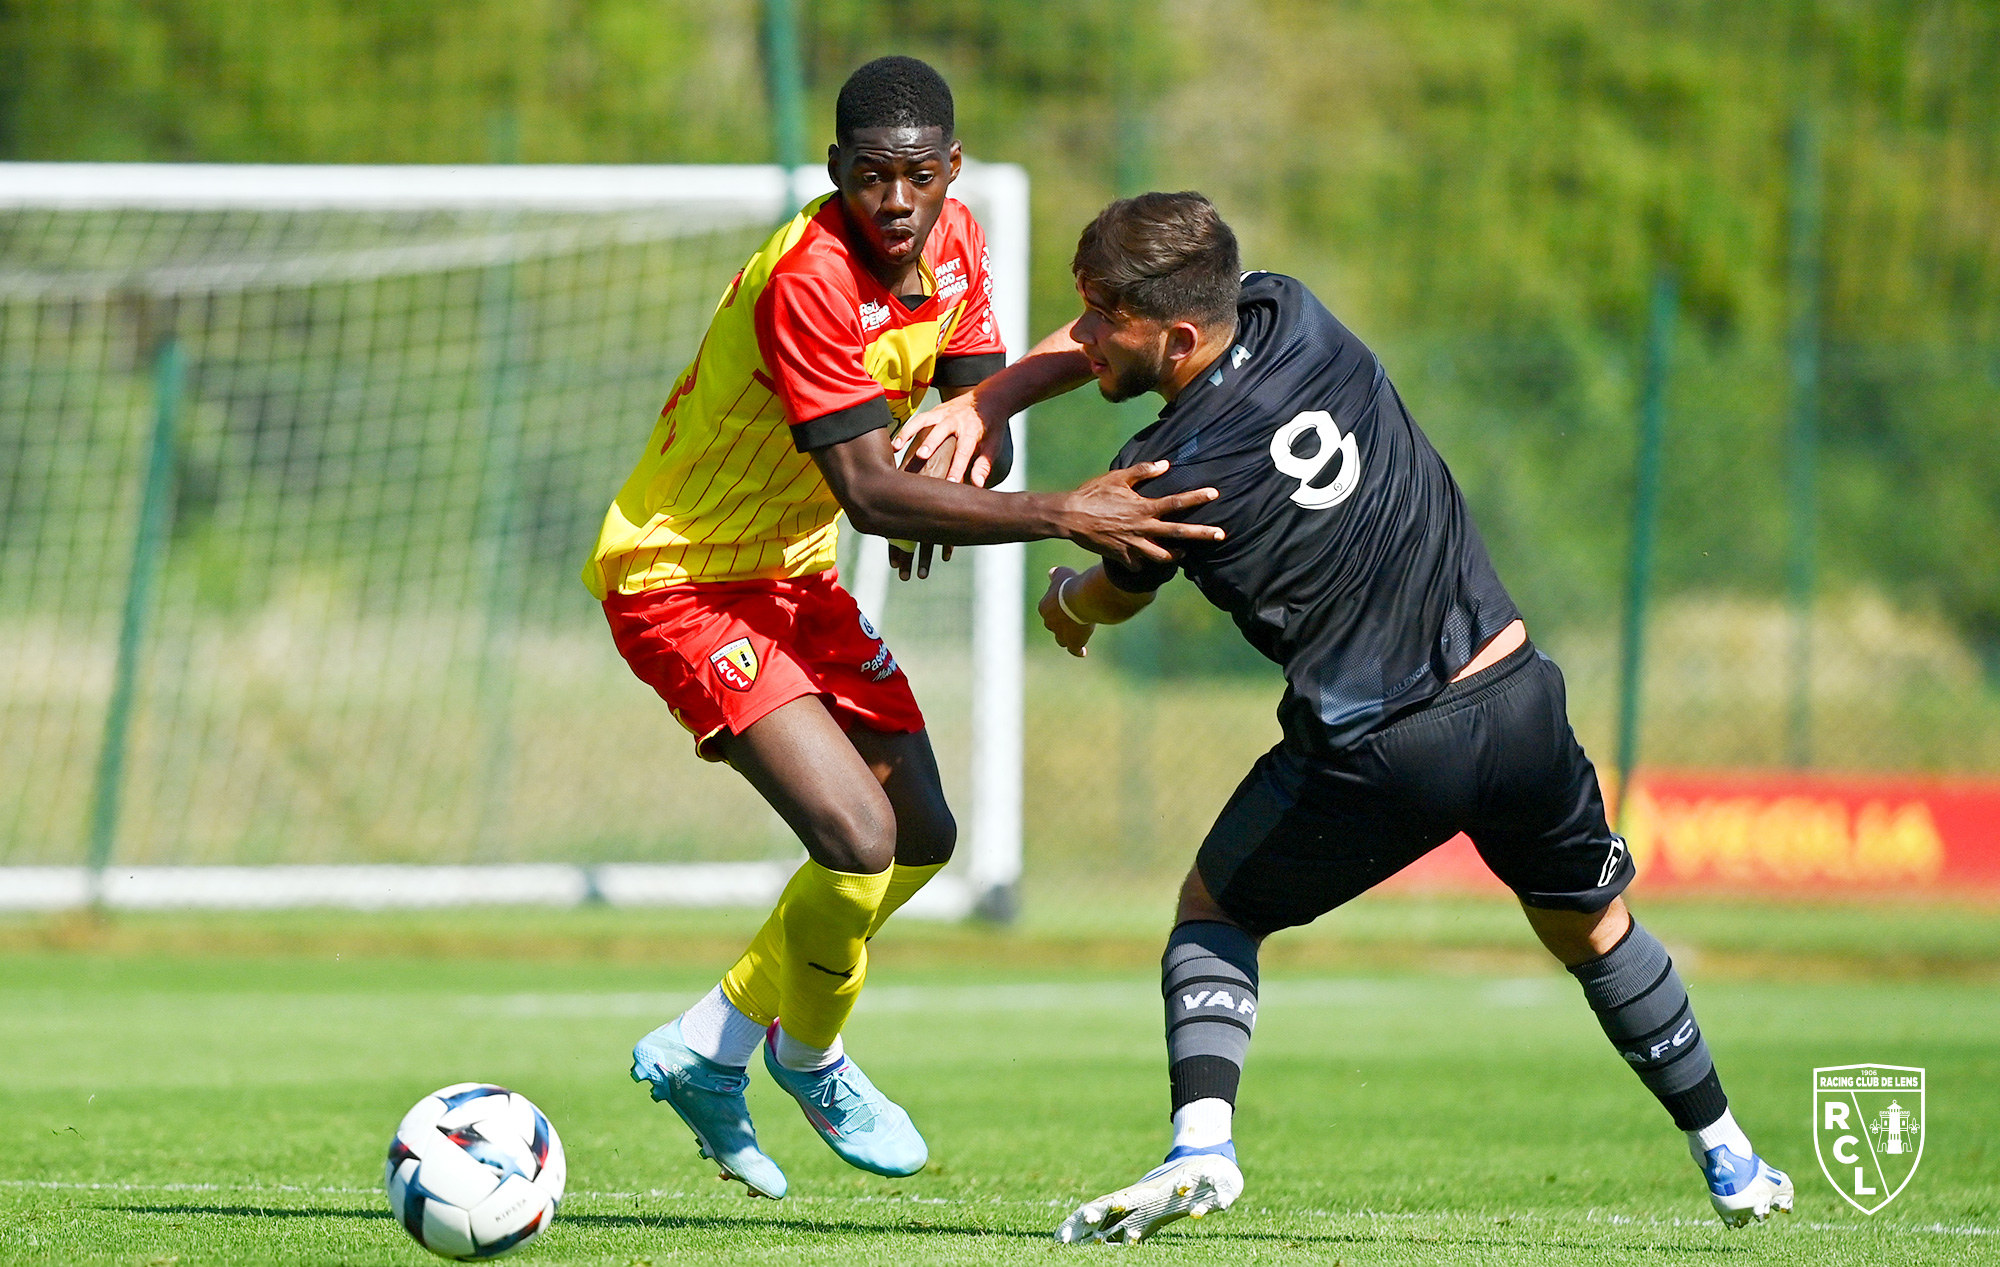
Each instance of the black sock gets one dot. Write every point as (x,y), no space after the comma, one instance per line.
(1644,1009)
(1209,978)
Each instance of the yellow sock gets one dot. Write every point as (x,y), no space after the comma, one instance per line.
(903,885)
(826,915)
(752,984)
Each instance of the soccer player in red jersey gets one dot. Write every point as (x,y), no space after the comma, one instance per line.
(715,568)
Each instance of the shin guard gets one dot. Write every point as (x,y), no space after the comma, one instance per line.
(752,985)
(752,982)
(1644,1009)
(1209,978)
(826,915)
(806,965)
(903,885)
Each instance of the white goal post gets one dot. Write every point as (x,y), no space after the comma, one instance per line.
(67,831)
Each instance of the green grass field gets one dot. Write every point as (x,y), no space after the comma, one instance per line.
(1423,1087)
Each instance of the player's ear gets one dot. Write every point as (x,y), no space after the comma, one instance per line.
(1183,337)
(833,164)
(955,160)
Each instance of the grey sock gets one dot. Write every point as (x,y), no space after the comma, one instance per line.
(1209,978)
(1645,1012)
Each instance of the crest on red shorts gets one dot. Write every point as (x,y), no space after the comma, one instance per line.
(736,664)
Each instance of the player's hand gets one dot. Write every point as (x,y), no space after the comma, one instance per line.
(957,422)
(1070,635)
(1108,516)
(905,554)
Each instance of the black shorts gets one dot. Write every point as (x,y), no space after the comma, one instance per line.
(1492,756)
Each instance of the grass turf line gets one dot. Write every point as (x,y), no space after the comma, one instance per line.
(216,1108)
(1066,927)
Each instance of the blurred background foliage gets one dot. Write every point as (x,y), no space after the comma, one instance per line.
(1483,190)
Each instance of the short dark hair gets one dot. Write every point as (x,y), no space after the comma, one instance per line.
(893,92)
(1169,257)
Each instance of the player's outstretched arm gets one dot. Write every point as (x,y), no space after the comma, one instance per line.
(977,419)
(1078,602)
(1107,516)
(989,469)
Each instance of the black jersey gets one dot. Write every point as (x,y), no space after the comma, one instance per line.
(1350,558)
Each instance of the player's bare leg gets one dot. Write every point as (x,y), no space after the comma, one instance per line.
(1631,984)
(840,791)
(1209,976)
(794,987)
(906,785)
(802,763)
(1575,936)
(906,770)
(805,766)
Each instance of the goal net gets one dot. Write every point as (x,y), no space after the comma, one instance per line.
(298,466)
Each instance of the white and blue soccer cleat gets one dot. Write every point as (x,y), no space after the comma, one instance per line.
(1191,1182)
(866,1128)
(709,1098)
(1745,1188)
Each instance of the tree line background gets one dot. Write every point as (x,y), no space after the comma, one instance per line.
(1485,191)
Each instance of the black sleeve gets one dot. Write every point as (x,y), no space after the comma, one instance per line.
(1143,581)
(842,425)
(966,371)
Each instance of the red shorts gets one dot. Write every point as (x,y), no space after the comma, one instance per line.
(724,654)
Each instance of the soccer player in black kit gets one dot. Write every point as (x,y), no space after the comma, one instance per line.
(1415,707)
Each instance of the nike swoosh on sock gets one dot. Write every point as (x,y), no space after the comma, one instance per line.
(831,972)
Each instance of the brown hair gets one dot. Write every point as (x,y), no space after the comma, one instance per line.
(1169,257)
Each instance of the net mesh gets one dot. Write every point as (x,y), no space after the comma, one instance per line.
(394,436)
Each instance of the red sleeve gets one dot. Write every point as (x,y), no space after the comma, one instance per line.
(977,332)
(810,335)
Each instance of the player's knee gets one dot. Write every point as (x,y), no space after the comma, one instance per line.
(1575,937)
(857,838)
(1196,903)
(926,835)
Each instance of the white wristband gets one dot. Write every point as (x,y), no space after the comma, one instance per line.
(1062,601)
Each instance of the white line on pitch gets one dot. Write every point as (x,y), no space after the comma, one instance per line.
(650,1194)
(1405,1216)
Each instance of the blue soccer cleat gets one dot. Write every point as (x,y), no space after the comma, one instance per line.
(709,1098)
(867,1128)
(1745,1188)
(1190,1183)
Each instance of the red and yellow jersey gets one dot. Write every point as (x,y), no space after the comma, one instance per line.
(725,490)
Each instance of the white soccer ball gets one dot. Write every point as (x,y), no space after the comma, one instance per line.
(475,1171)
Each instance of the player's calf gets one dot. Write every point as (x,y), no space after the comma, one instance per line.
(1209,978)
(1645,1012)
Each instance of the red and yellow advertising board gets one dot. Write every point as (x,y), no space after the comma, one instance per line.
(1789,833)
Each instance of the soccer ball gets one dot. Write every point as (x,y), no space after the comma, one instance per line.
(475,1170)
